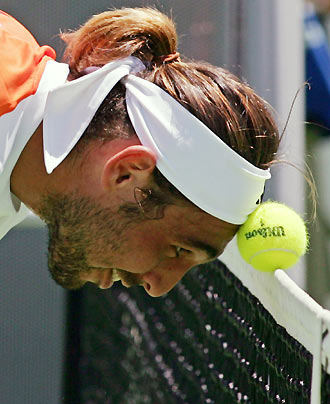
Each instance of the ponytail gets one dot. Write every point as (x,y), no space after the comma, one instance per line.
(142,32)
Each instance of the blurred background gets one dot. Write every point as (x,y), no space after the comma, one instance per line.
(276,46)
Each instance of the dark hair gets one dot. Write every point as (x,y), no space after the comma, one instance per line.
(227,105)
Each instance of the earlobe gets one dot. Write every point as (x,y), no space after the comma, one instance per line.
(131,167)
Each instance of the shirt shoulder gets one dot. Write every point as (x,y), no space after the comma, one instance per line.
(22,62)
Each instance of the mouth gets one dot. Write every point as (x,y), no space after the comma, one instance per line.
(128,279)
(113,275)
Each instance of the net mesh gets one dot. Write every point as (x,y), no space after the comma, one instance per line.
(207,341)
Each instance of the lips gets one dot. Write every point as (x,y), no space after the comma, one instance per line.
(128,279)
(107,279)
(110,276)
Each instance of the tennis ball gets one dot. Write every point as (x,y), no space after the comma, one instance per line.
(274,236)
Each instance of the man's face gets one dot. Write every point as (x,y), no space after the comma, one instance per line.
(87,242)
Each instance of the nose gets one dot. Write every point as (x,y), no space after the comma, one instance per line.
(161,280)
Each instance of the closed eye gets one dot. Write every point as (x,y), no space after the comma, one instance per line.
(180,250)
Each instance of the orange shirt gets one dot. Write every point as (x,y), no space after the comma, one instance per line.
(22,62)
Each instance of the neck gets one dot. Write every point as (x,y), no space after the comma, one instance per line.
(29,180)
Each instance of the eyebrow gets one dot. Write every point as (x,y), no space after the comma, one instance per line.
(211,252)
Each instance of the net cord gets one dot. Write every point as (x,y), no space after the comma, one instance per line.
(302,317)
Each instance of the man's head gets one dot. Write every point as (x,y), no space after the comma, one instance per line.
(122,212)
(127,222)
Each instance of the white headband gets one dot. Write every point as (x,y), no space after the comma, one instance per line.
(196,161)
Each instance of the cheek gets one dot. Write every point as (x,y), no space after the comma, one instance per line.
(142,252)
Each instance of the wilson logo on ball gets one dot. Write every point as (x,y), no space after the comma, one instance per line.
(275,231)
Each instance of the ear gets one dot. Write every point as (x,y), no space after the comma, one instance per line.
(129,168)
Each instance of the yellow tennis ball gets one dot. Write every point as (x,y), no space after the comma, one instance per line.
(274,236)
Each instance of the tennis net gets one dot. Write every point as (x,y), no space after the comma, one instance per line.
(210,340)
